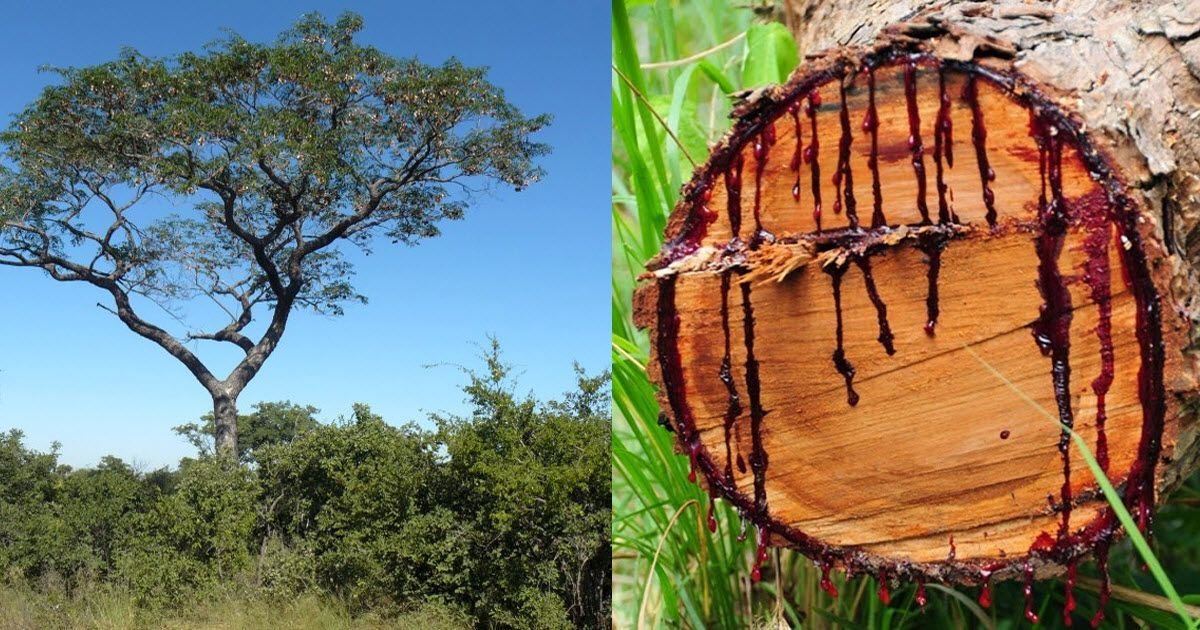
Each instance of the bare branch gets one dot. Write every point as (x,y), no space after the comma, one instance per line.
(235,338)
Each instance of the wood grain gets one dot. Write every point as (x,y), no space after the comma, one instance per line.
(937,447)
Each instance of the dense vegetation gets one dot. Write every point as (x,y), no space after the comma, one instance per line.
(495,519)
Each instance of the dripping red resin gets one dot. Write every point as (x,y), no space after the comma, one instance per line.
(1107,209)
(843,177)
(1052,329)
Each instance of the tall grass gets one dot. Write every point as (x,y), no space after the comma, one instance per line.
(669,570)
(112,608)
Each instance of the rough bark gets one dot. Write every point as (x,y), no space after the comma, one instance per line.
(225,420)
(903,453)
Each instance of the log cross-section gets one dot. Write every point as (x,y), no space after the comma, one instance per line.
(886,299)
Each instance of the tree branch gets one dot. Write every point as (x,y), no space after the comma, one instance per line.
(124,311)
(236,338)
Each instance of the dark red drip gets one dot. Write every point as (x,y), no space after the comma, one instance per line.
(733,190)
(826,583)
(885,596)
(760,553)
(1105,581)
(811,155)
(914,136)
(885,331)
(953,550)
(920,598)
(1029,614)
(762,150)
(1052,330)
(671,366)
(843,179)
(733,408)
(693,449)
(798,154)
(1139,491)
(695,227)
(712,516)
(985,595)
(844,367)
(1096,274)
(758,455)
(1139,487)
(945,125)
(943,147)
(871,126)
(979,139)
(931,245)
(1069,606)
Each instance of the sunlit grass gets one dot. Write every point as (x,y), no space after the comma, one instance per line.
(110,608)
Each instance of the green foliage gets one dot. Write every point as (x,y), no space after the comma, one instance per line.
(498,518)
(531,487)
(196,538)
(276,156)
(270,423)
(28,484)
(671,570)
(770,54)
(315,131)
(347,491)
(97,505)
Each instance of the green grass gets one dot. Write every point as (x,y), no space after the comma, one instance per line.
(669,570)
(105,608)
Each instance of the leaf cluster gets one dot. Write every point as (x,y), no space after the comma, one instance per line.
(235,172)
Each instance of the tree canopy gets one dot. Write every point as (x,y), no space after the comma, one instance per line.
(236,174)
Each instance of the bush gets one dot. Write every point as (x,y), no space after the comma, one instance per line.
(196,538)
(285,572)
(499,519)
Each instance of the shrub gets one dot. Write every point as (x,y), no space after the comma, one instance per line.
(499,519)
(197,537)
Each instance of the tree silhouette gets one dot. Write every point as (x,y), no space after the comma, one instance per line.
(270,159)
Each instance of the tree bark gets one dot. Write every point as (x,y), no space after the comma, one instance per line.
(955,220)
(225,421)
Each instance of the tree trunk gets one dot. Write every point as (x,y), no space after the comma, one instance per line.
(958,228)
(225,421)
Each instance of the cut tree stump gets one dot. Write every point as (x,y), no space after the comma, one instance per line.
(901,271)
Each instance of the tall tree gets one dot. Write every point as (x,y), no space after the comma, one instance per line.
(273,156)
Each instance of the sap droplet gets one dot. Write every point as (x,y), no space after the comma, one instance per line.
(1029,614)
(826,583)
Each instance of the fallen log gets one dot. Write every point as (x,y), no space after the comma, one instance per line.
(959,233)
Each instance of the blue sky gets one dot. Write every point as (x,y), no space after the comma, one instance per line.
(531,268)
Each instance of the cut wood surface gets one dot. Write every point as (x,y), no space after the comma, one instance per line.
(866,335)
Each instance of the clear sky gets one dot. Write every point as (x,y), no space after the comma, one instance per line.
(532,268)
